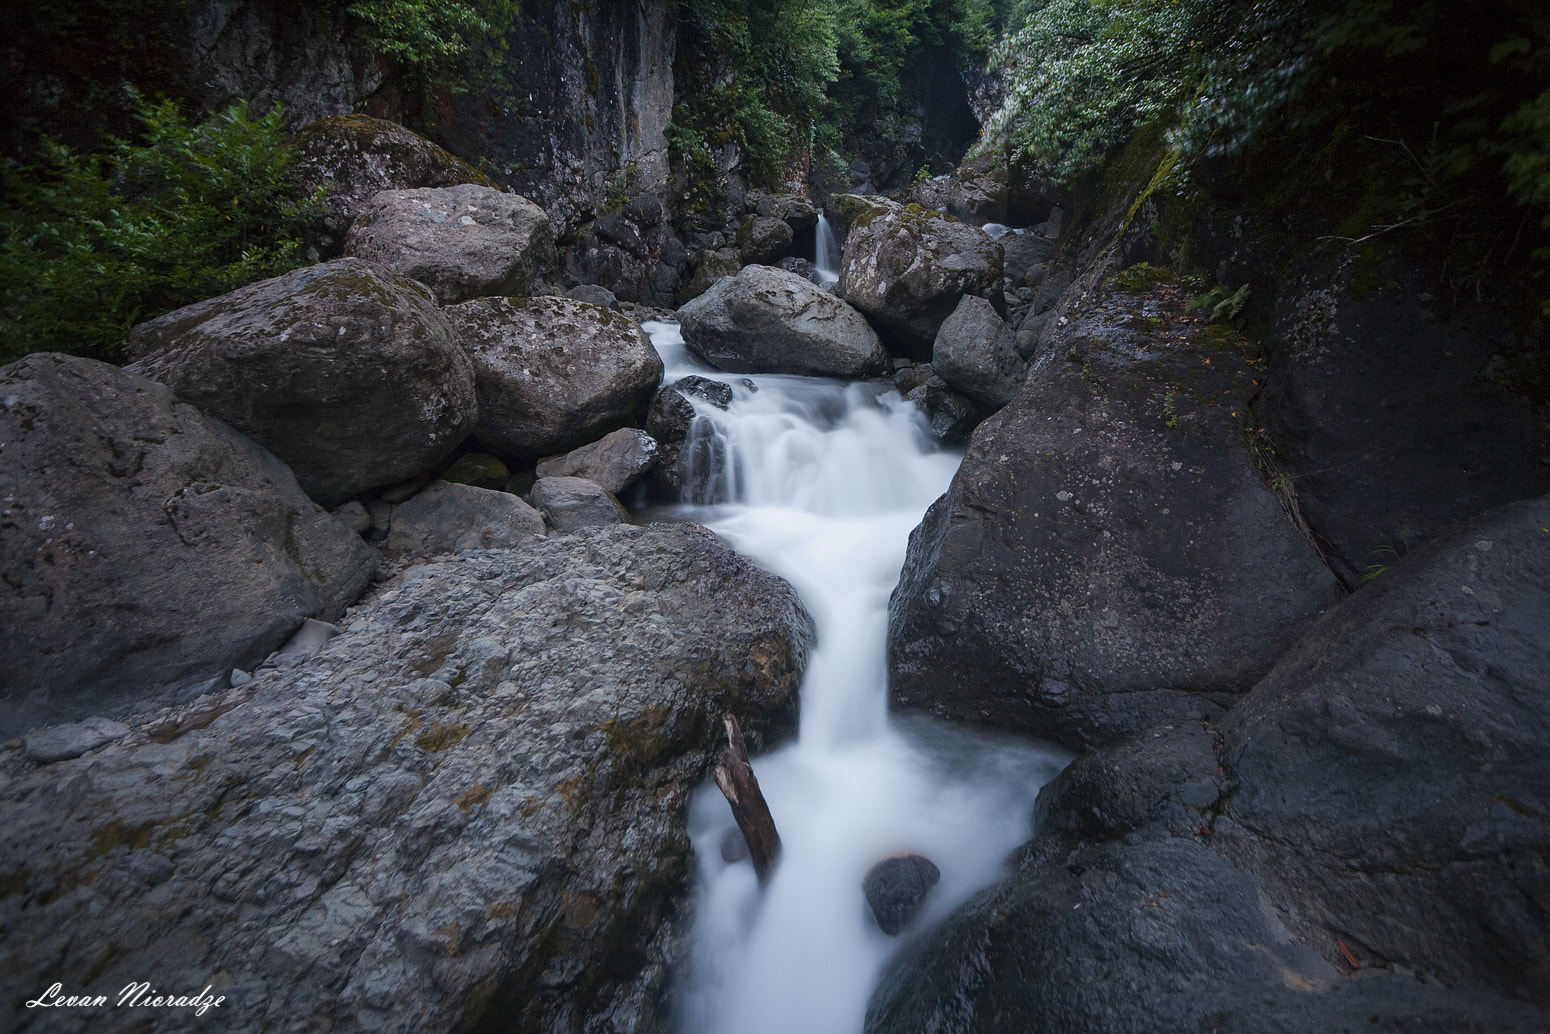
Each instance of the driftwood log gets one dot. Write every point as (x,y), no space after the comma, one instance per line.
(735,777)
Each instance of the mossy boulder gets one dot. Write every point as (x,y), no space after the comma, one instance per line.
(553,374)
(352,158)
(462,242)
(906,267)
(346,372)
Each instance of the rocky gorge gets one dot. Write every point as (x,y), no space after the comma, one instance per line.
(1161,588)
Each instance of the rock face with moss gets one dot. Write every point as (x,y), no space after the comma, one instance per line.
(355,157)
(1108,555)
(1376,801)
(467,241)
(347,373)
(144,548)
(906,267)
(554,374)
(766,320)
(470,806)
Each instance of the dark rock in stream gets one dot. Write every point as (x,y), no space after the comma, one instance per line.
(468,808)
(767,320)
(144,547)
(1107,556)
(906,269)
(1360,846)
(895,887)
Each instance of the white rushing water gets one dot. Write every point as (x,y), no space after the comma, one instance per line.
(823,482)
(826,252)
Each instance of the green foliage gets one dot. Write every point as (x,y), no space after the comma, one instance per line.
(92,244)
(1221,303)
(783,76)
(428,34)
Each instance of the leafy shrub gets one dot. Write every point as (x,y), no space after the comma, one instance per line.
(92,244)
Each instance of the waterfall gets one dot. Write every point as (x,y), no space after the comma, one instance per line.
(826,253)
(822,482)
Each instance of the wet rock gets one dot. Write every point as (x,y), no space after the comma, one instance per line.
(1108,557)
(367,845)
(1391,766)
(145,546)
(949,415)
(553,374)
(570,504)
(763,240)
(462,242)
(670,421)
(1393,422)
(766,320)
(477,469)
(895,887)
(906,268)
(615,461)
(976,353)
(63,742)
(1160,934)
(448,518)
(356,157)
(348,374)
(1375,801)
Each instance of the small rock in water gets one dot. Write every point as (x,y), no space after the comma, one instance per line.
(63,742)
(896,886)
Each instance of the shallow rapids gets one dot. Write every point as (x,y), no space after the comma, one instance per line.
(822,482)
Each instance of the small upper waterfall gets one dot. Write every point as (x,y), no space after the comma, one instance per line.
(826,252)
(821,482)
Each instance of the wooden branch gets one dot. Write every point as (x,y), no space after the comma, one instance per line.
(735,777)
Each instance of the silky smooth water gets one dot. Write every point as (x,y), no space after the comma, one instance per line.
(826,252)
(823,482)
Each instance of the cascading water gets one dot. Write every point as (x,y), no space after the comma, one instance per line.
(822,483)
(826,252)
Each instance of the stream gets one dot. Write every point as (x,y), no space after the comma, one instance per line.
(823,481)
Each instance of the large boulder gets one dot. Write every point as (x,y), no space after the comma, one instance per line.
(906,267)
(1371,813)
(710,266)
(451,518)
(766,320)
(144,547)
(353,158)
(1394,419)
(570,504)
(467,241)
(348,374)
(468,809)
(616,461)
(976,353)
(1389,774)
(553,374)
(976,191)
(1108,555)
(764,239)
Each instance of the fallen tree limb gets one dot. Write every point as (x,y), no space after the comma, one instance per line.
(735,777)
